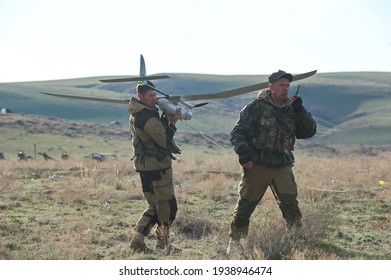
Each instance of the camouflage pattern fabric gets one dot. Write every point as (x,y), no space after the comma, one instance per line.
(268,133)
(151,137)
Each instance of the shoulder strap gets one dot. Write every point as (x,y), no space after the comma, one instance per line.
(143,116)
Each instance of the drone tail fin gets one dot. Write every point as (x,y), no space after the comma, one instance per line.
(142,78)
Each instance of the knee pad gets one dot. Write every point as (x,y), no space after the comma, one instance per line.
(173,208)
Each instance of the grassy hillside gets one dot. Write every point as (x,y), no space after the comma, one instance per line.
(350,108)
(36,134)
(84,209)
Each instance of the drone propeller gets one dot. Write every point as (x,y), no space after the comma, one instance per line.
(200,104)
(165,94)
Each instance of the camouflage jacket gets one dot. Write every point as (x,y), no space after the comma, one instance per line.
(267,132)
(151,137)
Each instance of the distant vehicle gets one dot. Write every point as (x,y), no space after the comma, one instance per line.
(115,123)
(5,111)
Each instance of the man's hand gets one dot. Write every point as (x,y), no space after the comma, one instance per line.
(248,165)
(246,161)
(297,103)
(174,118)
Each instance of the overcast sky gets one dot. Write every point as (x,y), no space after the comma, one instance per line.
(61,39)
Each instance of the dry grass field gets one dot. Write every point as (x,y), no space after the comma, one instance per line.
(84,209)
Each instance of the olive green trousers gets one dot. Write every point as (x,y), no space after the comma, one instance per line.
(159,193)
(252,187)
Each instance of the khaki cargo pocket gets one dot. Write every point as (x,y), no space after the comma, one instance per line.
(164,188)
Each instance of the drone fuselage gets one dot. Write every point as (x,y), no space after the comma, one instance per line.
(170,108)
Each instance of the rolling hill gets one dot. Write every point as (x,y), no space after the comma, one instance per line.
(350,108)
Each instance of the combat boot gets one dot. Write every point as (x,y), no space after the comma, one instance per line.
(230,245)
(163,240)
(237,248)
(138,245)
(236,235)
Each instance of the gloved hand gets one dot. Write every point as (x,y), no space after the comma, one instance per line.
(297,104)
(243,159)
(164,119)
(244,156)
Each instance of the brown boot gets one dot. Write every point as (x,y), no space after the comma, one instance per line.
(236,235)
(231,245)
(138,245)
(163,243)
(238,232)
(172,249)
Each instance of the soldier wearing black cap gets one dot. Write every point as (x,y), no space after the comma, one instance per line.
(264,137)
(280,74)
(153,139)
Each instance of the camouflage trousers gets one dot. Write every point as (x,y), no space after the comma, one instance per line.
(159,193)
(252,187)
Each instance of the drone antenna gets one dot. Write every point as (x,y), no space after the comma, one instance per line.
(297,91)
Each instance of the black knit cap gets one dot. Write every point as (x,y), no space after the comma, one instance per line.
(142,88)
(280,74)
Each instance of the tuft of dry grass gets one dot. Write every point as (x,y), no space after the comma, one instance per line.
(84,209)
